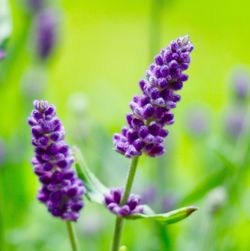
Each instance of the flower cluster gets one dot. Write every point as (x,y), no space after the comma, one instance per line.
(152,110)
(61,189)
(113,200)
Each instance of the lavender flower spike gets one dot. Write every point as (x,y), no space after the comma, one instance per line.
(113,199)
(151,111)
(61,189)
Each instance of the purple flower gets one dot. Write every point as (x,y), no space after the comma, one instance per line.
(151,111)
(2,54)
(61,189)
(169,202)
(149,195)
(234,122)
(241,84)
(36,5)
(198,121)
(113,200)
(46,32)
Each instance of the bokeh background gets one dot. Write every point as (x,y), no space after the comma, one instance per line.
(101,50)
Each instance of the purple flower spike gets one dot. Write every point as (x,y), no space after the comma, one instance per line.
(61,189)
(113,200)
(151,111)
(46,32)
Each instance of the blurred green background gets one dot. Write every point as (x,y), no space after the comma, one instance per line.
(103,49)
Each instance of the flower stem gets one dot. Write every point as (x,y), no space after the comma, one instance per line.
(72,236)
(119,220)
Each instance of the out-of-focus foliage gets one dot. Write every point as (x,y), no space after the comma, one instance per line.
(102,50)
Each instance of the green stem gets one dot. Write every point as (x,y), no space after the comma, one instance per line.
(119,220)
(117,234)
(72,236)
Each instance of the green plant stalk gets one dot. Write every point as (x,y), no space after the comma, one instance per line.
(119,220)
(72,236)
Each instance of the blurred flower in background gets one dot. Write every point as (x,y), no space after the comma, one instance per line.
(149,195)
(46,32)
(2,54)
(169,202)
(35,5)
(240,83)
(234,121)
(2,152)
(236,114)
(198,120)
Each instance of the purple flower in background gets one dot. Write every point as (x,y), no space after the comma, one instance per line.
(241,84)
(113,200)
(46,32)
(198,121)
(169,202)
(234,121)
(151,111)
(2,54)
(61,189)
(35,5)
(149,195)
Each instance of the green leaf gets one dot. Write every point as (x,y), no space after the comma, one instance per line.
(166,218)
(208,183)
(95,189)
(5,21)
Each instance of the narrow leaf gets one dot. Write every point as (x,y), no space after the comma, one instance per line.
(166,218)
(212,180)
(95,189)
(205,186)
